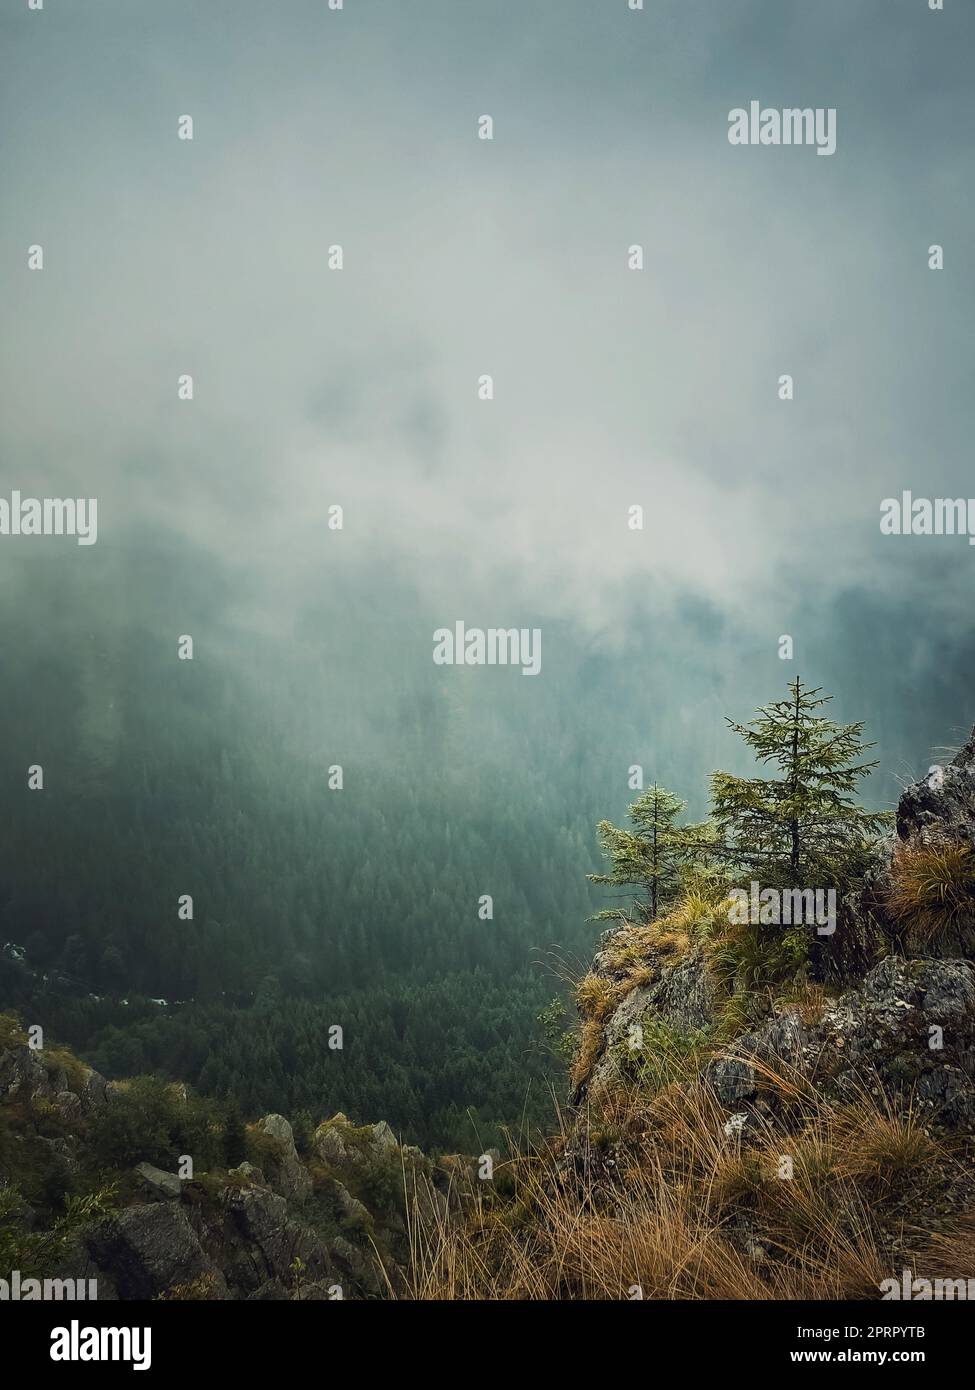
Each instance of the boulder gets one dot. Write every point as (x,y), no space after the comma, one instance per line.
(938,809)
(357,1269)
(147,1250)
(158,1185)
(349,1208)
(278,1128)
(942,803)
(267,1241)
(76,1263)
(732,1080)
(261,1219)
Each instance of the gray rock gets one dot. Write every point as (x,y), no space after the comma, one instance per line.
(942,805)
(147,1250)
(76,1263)
(246,1173)
(93,1090)
(261,1218)
(949,1093)
(319,1291)
(885,1033)
(271,1291)
(20,1068)
(160,1186)
(682,997)
(948,996)
(330,1145)
(283,1168)
(685,996)
(783,1039)
(67,1104)
(278,1128)
(268,1241)
(732,1079)
(57,1078)
(349,1207)
(384,1140)
(938,809)
(358,1268)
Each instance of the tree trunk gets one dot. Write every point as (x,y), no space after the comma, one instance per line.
(794,854)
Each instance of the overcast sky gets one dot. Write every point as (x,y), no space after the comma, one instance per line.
(508,257)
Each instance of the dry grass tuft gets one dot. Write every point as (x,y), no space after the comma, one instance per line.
(588,1052)
(932,890)
(596,997)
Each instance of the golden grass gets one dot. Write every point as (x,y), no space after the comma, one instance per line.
(596,997)
(635,945)
(932,890)
(587,1054)
(689,1212)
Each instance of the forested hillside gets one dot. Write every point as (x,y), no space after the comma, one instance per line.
(315,907)
(312,907)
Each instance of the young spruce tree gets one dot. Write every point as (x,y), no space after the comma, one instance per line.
(802,827)
(646,859)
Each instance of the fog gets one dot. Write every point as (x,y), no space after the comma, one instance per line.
(613,388)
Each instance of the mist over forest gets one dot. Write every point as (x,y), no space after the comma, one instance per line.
(359,906)
(313,647)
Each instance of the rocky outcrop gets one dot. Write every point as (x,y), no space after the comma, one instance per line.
(942,804)
(266,1242)
(148,1250)
(284,1169)
(903,1024)
(338,1142)
(938,810)
(22,1073)
(36,1073)
(323,1224)
(909,1031)
(682,997)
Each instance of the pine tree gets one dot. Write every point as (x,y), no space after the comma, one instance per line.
(803,826)
(647,859)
